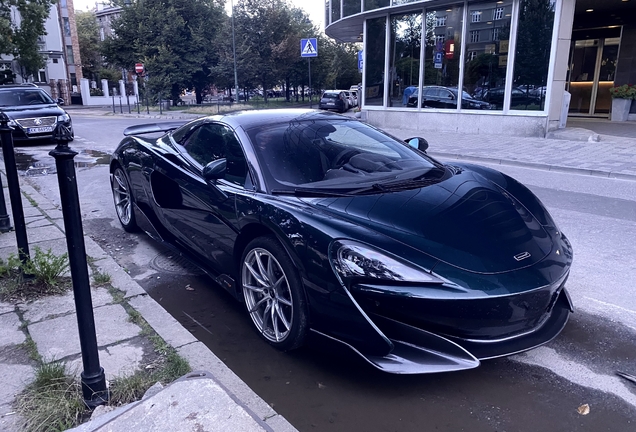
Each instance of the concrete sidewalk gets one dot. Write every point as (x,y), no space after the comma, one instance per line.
(216,400)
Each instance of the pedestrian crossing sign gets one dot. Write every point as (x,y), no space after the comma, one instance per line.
(308,47)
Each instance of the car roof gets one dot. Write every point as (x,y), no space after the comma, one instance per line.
(14,86)
(251,119)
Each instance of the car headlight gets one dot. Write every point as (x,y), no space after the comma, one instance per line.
(63,118)
(351,259)
(12,123)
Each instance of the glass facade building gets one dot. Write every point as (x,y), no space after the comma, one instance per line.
(491,65)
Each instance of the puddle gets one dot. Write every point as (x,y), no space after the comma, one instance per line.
(31,166)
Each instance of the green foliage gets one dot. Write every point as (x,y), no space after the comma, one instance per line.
(100,278)
(9,266)
(46,267)
(52,401)
(89,44)
(534,39)
(22,41)
(625,91)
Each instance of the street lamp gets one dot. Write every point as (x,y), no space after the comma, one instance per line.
(234,53)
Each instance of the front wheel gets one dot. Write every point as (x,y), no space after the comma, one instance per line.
(273,294)
(122,196)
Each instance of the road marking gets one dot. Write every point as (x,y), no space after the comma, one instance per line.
(612,305)
(576,373)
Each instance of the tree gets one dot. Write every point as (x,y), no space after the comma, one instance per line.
(89,43)
(21,39)
(175,39)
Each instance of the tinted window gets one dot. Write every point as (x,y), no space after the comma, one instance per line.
(210,142)
(330,96)
(334,154)
(24,96)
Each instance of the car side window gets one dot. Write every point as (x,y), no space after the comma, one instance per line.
(445,94)
(210,142)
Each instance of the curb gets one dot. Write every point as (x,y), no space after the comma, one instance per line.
(167,327)
(535,165)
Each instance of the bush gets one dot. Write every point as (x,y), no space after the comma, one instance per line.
(625,91)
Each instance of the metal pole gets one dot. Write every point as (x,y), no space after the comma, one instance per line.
(309,66)
(234,52)
(5,222)
(160,105)
(138,103)
(14,188)
(94,388)
(128,102)
(121,108)
(113,100)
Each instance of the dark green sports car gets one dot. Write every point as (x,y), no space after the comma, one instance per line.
(321,223)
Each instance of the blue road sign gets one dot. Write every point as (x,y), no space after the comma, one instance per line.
(438,59)
(360,59)
(308,47)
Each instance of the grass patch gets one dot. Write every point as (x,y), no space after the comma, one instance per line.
(32,349)
(43,276)
(101,278)
(52,402)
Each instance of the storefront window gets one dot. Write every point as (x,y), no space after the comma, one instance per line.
(406,42)
(487,54)
(376,4)
(374,61)
(351,7)
(532,56)
(442,37)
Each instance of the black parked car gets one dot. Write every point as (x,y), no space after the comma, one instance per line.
(32,113)
(445,97)
(518,97)
(321,223)
(334,100)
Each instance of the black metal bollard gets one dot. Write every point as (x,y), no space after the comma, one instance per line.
(121,109)
(113,101)
(14,188)
(5,223)
(94,388)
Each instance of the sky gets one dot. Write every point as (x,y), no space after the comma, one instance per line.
(314,8)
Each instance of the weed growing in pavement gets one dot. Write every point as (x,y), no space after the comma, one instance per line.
(46,267)
(32,349)
(53,401)
(101,278)
(45,271)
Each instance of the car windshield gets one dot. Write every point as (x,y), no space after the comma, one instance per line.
(24,96)
(336,155)
(330,95)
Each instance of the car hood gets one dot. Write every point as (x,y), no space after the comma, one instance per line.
(466,221)
(27,111)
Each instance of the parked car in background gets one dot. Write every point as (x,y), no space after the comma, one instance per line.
(32,113)
(350,99)
(518,97)
(354,93)
(445,97)
(334,100)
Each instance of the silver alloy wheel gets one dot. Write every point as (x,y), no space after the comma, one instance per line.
(121,194)
(267,295)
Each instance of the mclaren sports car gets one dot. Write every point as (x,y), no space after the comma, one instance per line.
(320,223)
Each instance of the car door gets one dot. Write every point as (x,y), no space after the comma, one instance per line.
(446,99)
(206,220)
(430,98)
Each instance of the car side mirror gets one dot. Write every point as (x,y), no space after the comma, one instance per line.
(215,170)
(59,101)
(418,142)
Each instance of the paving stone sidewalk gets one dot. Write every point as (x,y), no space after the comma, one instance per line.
(221,401)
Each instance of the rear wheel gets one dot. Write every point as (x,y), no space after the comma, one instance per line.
(273,294)
(123,200)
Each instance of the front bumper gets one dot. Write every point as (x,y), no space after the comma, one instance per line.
(21,134)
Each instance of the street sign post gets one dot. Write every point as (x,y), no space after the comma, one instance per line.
(139,68)
(309,49)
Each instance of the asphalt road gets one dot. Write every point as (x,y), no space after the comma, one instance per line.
(323,387)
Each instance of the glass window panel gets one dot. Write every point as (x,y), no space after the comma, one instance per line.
(441,61)
(532,54)
(399,2)
(375,4)
(335,10)
(487,54)
(69,55)
(67,26)
(351,7)
(406,42)
(374,61)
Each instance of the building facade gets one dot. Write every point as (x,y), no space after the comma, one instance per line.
(59,47)
(513,59)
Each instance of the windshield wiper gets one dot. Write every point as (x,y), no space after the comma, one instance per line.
(309,192)
(396,185)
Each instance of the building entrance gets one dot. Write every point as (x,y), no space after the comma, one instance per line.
(591,75)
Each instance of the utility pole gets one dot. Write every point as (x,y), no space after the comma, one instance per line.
(234,53)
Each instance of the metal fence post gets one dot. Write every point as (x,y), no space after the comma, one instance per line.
(14,188)
(94,389)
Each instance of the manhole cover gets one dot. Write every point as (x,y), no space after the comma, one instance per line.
(173,263)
